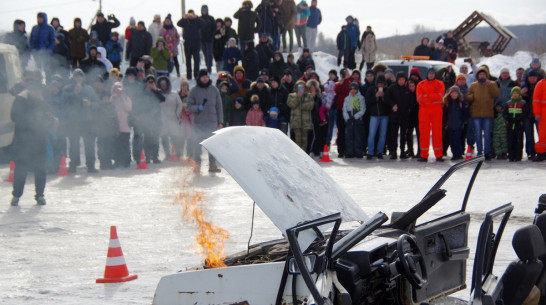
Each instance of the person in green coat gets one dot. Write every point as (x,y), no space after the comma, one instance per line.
(161,56)
(301,103)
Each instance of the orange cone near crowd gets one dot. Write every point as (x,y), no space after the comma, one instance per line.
(468,153)
(116,269)
(11,170)
(173,157)
(142,164)
(325,155)
(63,170)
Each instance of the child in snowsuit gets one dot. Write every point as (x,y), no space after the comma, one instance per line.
(455,114)
(353,111)
(227,103)
(255,116)
(273,119)
(515,112)
(500,142)
(238,114)
(114,49)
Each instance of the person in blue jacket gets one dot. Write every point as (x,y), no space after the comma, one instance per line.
(315,18)
(354,34)
(42,41)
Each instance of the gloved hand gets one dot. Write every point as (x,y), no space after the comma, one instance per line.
(201,108)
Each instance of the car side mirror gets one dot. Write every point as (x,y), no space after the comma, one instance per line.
(310,261)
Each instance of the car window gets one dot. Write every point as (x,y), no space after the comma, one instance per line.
(397,68)
(4,81)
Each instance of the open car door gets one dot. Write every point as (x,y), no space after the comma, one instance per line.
(442,240)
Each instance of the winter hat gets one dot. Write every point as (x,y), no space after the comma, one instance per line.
(55,19)
(535,61)
(255,99)
(273,110)
(334,72)
(516,89)
(190,11)
(441,42)
(264,71)
(78,72)
(168,17)
(532,73)
(202,72)
(504,70)
(305,50)
(157,16)
(401,74)
(132,21)
(354,85)
(115,71)
(131,71)
(460,76)
(454,89)
(260,80)
(349,18)
(264,35)
(222,84)
(389,71)
(150,77)
(276,79)
(431,70)
(141,23)
(228,19)
(287,72)
(415,71)
(239,100)
(232,40)
(370,71)
(381,80)
(204,7)
(100,14)
(59,37)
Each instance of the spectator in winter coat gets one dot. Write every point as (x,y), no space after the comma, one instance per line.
(277,23)
(527,92)
(354,35)
(515,113)
(227,103)
(423,49)
(59,29)
(101,56)
(301,104)
(278,97)
(32,120)
(231,56)
(61,56)
(343,42)
(170,117)
(192,25)
(255,115)
(42,36)
(251,61)
(449,40)
(265,52)
(104,27)
(315,18)
(219,45)
(249,23)
(80,100)
(93,41)
(161,57)
(368,48)
(107,125)
(470,77)
(244,83)
(447,76)
(205,102)
(430,94)
(328,103)
(130,28)
(505,84)
(233,86)
(277,67)
(155,28)
(238,114)
(399,99)
(265,12)
(230,32)
(342,91)
(172,39)
(186,122)
(261,89)
(455,114)
(140,44)
(207,36)
(519,76)
(481,96)
(114,49)
(91,66)
(300,22)
(123,106)
(354,108)
(305,61)
(18,38)
(499,140)
(379,117)
(288,12)
(293,67)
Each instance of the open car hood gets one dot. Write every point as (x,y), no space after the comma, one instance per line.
(282,179)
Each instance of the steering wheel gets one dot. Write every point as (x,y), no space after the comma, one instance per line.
(410,260)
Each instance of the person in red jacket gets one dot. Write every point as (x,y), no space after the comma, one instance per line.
(342,89)
(539,109)
(430,94)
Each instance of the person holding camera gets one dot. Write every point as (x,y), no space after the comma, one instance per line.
(104,27)
(192,25)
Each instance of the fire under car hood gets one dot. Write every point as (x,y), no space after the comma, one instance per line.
(282,179)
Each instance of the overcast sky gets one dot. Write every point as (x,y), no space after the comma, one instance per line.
(396,17)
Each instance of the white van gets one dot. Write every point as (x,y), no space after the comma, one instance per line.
(11,73)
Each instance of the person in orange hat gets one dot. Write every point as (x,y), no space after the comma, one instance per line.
(430,95)
(539,109)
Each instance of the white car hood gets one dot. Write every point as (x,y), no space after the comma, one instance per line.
(282,179)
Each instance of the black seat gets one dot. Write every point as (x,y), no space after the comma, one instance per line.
(540,222)
(521,275)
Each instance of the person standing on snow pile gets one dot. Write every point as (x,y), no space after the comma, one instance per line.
(115,50)
(104,27)
(140,44)
(430,94)
(354,35)
(315,18)
(249,24)
(288,12)
(160,58)
(423,49)
(207,36)
(42,42)
(300,21)
(219,45)
(192,26)
(32,120)
(481,96)
(155,28)
(368,48)
(172,39)
(19,39)
(205,102)
(354,108)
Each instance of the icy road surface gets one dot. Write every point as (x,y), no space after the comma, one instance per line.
(53,254)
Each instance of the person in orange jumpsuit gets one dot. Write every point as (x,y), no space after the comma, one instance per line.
(430,93)
(539,109)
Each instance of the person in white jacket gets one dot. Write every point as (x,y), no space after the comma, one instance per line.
(170,118)
(155,28)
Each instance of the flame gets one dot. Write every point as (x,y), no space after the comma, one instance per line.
(210,238)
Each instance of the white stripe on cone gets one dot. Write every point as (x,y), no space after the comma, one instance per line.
(114,243)
(115,261)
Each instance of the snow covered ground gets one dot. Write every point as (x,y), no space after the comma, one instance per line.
(54,253)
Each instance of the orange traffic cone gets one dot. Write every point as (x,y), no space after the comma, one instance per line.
(11,170)
(116,270)
(63,171)
(325,155)
(468,154)
(173,157)
(142,164)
